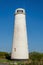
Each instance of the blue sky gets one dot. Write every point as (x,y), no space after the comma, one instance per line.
(34,22)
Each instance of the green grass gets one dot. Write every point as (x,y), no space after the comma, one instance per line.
(3,60)
(36,58)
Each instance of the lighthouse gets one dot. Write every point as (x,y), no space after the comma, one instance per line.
(20,42)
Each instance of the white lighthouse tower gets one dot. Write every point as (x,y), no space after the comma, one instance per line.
(20,42)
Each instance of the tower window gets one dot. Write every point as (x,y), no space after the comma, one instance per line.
(20,11)
(14,49)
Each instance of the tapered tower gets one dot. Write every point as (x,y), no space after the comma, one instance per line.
(20,42)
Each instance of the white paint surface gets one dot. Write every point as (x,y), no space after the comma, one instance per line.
(20,44)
